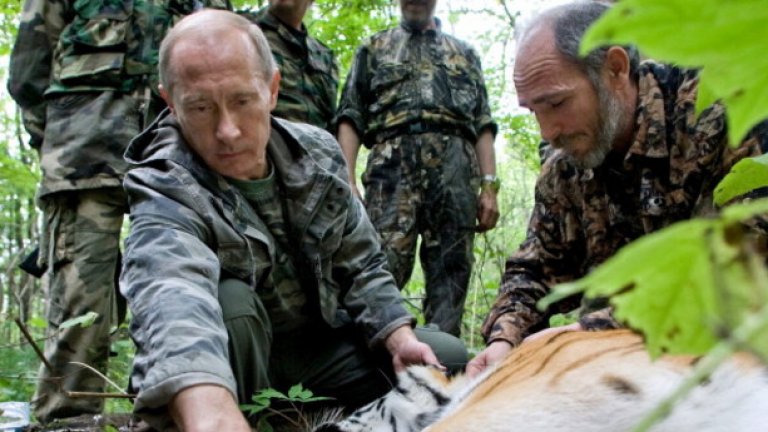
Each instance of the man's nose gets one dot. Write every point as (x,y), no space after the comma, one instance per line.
(227,128)
(550,129)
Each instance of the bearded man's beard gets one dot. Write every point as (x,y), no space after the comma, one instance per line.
(611,120)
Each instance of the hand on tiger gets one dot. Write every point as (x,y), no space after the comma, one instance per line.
(553,331)
(407,350)
(492,354)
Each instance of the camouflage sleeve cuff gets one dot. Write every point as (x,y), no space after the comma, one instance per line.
(487,124)
(599,320)
(353,116)
(382,334)
(171,375)
(507,327)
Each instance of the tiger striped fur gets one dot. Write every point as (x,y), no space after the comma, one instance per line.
(573,381)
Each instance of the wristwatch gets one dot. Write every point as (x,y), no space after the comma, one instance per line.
(490,181)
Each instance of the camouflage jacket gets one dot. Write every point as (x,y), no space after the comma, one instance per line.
(401,77)
(581,217)
(309,75)
(66,46)
(190,228)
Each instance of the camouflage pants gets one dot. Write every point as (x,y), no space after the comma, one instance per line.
(80,246)
(329,361)
(426,185)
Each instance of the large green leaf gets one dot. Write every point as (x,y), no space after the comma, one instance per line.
(724,37)
(747,175)
(658,283)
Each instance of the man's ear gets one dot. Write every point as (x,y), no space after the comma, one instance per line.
(166,97)
(616,66)
(274,88)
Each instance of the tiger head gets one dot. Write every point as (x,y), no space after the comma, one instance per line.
(421,395)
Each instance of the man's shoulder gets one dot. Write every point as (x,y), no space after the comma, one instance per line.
(385,37)
(670,79)
(306,135)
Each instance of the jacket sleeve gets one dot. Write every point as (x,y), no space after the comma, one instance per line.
(369,292)
(551,253)
(482,114)
(170,279)
(352,104)
(31,60)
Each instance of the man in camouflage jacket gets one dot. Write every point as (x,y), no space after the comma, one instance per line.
(82,72)
(309,75)
(249,264)
(630,156)
(416,97)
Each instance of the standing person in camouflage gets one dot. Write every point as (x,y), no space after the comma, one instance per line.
(250,263)
(416,97)
(630,156)
(309,75)
(82,72)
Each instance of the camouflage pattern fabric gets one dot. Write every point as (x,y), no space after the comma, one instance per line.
(309,75)
(82,236)
(419,101)
(280,290)
(84,73)
(191,228)
(427,185)
(67,47)
(582,217)
(401,76)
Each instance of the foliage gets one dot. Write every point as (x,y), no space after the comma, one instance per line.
(677,298)
(745,176)
(683,285)
(262,405)
(723,37)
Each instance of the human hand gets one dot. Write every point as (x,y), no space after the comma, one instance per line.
(487,210)
(406,350)
(553,331)
(492,354)
(207,407)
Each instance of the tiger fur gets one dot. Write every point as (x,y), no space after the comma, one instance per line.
(573,381)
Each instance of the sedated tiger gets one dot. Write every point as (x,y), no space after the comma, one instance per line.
(572,381)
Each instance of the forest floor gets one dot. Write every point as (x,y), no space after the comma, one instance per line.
(92,423)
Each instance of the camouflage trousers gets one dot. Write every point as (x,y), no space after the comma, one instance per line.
(332,362)
(426,185)
(80,247)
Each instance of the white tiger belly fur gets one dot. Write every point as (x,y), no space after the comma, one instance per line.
(576,381)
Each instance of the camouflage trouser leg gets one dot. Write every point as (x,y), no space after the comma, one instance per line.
(427,185)
(80,245)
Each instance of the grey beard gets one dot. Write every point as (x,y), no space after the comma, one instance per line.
(611,119)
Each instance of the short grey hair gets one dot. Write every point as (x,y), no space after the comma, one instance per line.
(212,22)
(569,22)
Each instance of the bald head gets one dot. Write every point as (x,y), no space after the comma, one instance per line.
(562,27)
(207,28)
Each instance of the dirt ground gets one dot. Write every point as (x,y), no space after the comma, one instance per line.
(93,423)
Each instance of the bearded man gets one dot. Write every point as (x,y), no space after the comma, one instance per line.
(629,157)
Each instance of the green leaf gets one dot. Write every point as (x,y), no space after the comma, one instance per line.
(296,391)
(724,37)
(563,319)
(658,284)
(747,175)
(85,320)
(742,211)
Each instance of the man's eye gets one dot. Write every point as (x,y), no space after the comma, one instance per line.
(557,103)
